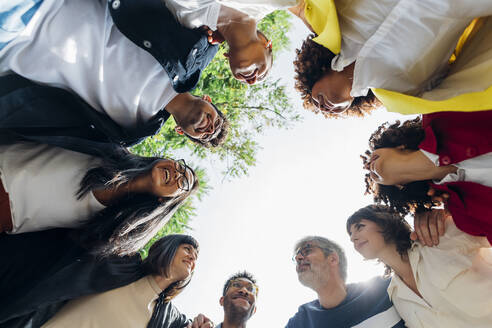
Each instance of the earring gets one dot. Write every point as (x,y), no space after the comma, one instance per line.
(269,45)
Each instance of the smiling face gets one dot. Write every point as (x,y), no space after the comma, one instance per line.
(331,93)
(171,178)
(252,62)
(183,263)
(201,120)
(367,238)
(312,265)
(240,298)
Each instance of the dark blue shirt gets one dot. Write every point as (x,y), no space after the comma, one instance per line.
(367,305)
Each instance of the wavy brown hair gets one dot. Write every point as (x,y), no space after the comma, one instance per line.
(312,62)
(394,228)
(413,196)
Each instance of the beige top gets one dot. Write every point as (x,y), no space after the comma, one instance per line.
(454,279)
(128,306)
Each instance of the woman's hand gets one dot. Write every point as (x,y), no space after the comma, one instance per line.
(429,226)
(299,12)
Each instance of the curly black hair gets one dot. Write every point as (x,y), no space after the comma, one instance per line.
(394,228)
(238,275)
(412,198)
(313,61)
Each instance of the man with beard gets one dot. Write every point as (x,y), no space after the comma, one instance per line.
(322,266)
(239,300)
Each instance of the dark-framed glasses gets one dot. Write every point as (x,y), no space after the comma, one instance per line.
(304,251)
(182,181)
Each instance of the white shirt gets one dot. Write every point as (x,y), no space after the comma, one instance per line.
(402,45)
(193,14)
(477,169)
(454,279)
(74,44)
(41,182)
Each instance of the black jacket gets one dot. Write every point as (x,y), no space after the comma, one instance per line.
(41,271)
(57,117)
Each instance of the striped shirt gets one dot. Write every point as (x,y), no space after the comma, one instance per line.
(366,306)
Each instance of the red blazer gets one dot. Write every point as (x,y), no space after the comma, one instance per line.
(454,137)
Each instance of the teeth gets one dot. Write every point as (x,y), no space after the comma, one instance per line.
(167,176)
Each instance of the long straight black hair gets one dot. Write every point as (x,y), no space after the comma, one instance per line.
(161,255)
(125,226)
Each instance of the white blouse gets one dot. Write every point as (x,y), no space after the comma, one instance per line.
(402,45)
(74,44)
(41,182)
(477,169)
(454,279)
(193,14)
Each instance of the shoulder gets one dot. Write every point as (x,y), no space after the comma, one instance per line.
(373,287)
(299,319)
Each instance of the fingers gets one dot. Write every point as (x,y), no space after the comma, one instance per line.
(429,226)
(424,230)
(437,197)
(201,321)
(433,227)
(440,224)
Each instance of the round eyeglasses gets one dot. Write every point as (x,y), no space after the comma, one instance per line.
(239,284)
(182,181)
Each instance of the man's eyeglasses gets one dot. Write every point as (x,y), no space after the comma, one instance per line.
(239,284)
(183,182)
(305,251)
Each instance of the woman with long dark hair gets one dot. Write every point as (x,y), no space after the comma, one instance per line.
(85,290)
(448,152)
(447,285)
(117,201)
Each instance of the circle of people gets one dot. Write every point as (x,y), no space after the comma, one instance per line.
(83,80)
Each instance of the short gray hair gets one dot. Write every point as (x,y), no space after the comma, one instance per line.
(328,247)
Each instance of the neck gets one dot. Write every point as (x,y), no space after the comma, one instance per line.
(332,293)
(234,322)
(178,107)
(415,166)
(400,265)
(163,282)
(108,196)
(237,28)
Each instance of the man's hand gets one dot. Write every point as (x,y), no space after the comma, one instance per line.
(429,226)
(201,321)
(213,37)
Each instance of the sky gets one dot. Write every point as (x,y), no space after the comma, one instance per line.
(307,181)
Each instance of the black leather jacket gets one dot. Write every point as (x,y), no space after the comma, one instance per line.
(41,271)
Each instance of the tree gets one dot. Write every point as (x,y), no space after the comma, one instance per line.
(249,109)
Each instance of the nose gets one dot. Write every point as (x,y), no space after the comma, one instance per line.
(210,128)
(353,237)
(298,257)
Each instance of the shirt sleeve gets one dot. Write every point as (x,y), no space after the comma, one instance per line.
(194,14)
